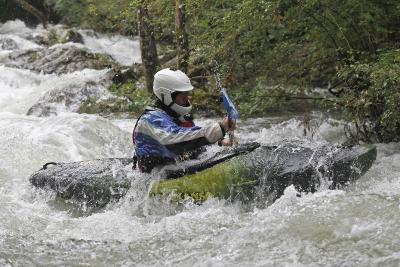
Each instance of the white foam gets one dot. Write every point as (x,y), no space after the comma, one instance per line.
(20,89)
(67,137)
(21,43)
(124,50)
(19,28)
(67,45)
(15,27)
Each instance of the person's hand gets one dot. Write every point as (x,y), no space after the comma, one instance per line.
(228,142)
(228,125)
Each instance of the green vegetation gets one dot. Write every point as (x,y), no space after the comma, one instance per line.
(128,98)
(275,51)
(100,15)
(54,37)
(138,98)
(372,97)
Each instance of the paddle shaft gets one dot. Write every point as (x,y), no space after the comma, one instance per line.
(231,133)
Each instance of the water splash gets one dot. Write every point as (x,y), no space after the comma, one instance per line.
(18,28)
(124,50)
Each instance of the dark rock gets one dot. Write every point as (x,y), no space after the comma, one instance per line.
(59,59)
(41,110)
(69,98)
(8,44)
(125,74)
(73,36)
(40,40)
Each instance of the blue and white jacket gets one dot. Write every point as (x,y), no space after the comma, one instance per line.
(160,138)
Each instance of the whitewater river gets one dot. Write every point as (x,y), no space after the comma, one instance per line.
(358,226)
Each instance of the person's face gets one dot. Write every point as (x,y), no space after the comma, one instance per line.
(183,99)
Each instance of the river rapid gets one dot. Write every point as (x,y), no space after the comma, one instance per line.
(357,226)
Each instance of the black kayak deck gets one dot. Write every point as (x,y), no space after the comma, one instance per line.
(99,181)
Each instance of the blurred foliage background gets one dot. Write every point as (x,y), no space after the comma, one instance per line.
(273,55)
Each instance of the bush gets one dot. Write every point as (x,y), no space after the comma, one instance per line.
(372,97)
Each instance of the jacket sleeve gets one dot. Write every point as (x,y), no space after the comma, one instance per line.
(180,139)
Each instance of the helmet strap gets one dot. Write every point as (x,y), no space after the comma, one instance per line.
(162,101)
(166,108)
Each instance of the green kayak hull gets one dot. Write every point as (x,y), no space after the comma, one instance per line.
(267,171)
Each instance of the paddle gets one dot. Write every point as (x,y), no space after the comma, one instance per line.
(231,111)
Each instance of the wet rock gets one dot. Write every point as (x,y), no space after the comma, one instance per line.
(59,59)
(40,39)
(73,36)
(123,75)
(8,44)
(70,97)
(54,35)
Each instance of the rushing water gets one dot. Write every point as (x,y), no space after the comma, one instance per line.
(354,227)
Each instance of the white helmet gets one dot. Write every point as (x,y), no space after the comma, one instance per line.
(167,82)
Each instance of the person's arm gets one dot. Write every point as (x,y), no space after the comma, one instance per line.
(179,139)
(192,138)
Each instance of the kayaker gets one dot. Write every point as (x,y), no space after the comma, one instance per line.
(165,132)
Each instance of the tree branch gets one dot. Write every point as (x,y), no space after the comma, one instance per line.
(32,10)
(289,97)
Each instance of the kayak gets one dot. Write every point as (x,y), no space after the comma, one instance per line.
(246,172)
